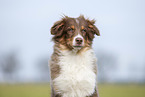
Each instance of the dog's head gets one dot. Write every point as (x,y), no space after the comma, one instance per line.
(74,33)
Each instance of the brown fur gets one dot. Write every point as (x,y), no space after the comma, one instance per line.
(64,32)
(65,29)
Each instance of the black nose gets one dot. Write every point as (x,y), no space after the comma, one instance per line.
(79,40)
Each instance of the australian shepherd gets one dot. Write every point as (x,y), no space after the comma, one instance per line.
(73,66)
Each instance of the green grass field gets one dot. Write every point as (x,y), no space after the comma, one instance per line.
(43,90)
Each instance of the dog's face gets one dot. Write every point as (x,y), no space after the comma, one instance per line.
(74,33)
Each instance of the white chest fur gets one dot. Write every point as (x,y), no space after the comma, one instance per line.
(76,78)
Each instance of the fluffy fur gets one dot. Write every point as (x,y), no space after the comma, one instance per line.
(73,63)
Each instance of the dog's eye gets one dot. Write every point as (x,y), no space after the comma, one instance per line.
(71,30)
(84,30)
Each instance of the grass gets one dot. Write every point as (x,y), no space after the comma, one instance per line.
(43,90)
(124,90)
(25,90)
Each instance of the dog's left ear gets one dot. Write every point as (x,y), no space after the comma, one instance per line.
(92,27)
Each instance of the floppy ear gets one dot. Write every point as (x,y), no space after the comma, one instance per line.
(92,27)
(57,28)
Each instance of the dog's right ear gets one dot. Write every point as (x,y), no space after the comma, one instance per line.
(57,28)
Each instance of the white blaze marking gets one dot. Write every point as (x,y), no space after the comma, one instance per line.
(77,21)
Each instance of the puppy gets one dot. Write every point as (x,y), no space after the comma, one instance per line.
(73,66)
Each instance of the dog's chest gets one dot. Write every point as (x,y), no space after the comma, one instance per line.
(76,75)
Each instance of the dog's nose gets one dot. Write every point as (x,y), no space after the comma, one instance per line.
(79,40)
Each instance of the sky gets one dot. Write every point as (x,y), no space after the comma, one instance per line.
(25,28)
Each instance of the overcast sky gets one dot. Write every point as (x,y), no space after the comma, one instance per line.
(25,27)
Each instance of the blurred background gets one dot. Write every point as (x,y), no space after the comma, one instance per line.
(26,46)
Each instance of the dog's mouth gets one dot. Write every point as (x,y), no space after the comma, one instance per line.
(78,46)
